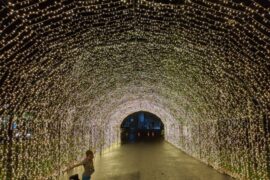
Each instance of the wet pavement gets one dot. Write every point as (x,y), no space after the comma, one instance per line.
(159,161)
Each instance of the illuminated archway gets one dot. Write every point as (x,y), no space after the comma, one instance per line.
(202,66)
(171,126)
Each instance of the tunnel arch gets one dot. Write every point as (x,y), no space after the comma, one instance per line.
(125,109)
(204,62)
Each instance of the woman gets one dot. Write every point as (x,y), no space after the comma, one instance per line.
(87,164)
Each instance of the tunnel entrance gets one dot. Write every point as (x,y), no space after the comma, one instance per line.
(142,127)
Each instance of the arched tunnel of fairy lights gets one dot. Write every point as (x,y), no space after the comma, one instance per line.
(71,70)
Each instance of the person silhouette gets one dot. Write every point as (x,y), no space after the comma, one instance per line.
(88,165)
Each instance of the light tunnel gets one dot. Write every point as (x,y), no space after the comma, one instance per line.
(72,70)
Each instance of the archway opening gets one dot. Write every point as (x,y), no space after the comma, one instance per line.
(142,126)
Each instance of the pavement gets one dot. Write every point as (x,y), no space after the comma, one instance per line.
(154,161)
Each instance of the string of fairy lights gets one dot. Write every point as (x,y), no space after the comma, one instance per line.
(68,66)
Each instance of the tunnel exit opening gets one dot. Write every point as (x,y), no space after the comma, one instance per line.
(142,126)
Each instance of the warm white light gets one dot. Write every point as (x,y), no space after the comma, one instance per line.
(71,70)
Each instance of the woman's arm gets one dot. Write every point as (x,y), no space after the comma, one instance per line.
(71,167)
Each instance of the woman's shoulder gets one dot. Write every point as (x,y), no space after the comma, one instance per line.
(85,160)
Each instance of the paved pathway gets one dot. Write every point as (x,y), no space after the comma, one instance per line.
(160,161)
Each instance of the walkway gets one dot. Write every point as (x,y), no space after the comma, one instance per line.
(151,162)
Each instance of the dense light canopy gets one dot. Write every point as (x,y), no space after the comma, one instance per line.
(72,70)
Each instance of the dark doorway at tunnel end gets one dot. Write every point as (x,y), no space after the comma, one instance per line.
(142,127)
